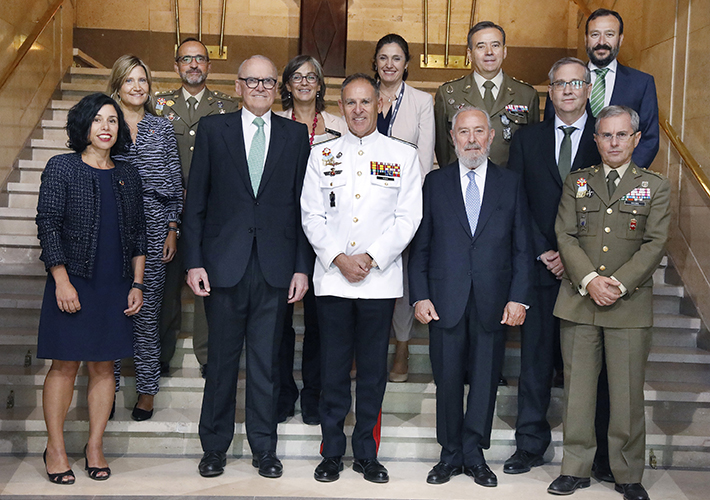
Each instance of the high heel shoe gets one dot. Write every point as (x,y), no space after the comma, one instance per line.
(95,471)
(58,478)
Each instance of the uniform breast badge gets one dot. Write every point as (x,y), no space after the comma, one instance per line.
(385,171)
(637,196)
(581,188)
(329,161)
(507,133)
(160,103)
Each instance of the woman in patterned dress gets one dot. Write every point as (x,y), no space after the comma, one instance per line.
(153,151)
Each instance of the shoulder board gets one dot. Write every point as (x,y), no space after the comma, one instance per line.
(651,172)
(520,81)
(324,142)
(403,142)
(165,93)
(222,95)
(454,80)
(592,168)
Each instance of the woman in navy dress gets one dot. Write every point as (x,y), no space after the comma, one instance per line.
(153,151)
(91,229)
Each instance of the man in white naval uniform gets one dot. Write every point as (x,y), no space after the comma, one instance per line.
(361,205)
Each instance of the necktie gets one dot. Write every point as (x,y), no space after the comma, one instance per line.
(473,201)
(191,103)
(564,164)
(611,182)
(596,101)
(488,99)
(256,155)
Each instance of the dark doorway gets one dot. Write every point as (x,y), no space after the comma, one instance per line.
(324,30)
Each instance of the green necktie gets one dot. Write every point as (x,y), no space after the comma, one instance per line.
(191,102)
(256,155)
(596,101)
(611,182)
(488,99)
(564,164)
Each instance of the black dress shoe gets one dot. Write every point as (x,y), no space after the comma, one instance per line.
(481,474)
(268,464)
(441,473)
(502,382)
(602,472)
(139,414)
(632,491)
(566,485)
(328,470)
(310,417)
(522,461)
(164,368)
(284,415)
(212,463)
(373,470)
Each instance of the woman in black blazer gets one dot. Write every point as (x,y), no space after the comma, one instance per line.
(91,229)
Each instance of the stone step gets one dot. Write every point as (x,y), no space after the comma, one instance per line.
(54,133)
(18,221)
(676,321)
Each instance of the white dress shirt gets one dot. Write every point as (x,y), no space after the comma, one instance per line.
(250,129)
(576,136)
(480,178)
(610,79)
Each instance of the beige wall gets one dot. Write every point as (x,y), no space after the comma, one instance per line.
(25,95)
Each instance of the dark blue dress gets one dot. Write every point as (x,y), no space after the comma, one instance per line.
(99,331)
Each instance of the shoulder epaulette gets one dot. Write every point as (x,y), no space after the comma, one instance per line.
(222,95)
(521,81)
(165,93)
(324,142)
(454,80)
(403,141)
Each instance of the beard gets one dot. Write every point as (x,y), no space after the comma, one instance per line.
(473,157)
(601,63)
(193,78)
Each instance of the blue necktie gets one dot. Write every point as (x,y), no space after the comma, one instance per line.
(256,155)
(473,201)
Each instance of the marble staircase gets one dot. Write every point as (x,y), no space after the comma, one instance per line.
(677,388)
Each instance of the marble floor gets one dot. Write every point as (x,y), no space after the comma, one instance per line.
(23,477)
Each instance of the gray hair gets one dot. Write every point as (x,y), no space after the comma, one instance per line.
(611,111)
(471,108)
(569,60)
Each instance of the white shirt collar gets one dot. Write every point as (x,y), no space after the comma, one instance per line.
(248,117)
(611,66)
(497,80)
(351,138)
(620,170)
(480,170)
(579,124)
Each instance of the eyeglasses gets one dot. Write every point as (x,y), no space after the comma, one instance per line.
(199,59)
(252,83)
(574,84)
(298,77)
(620,136)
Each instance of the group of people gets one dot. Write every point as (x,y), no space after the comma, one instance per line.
(554,226)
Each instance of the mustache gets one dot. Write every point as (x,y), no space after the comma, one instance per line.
(602,46)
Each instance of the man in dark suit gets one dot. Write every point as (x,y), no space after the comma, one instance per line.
(470,267)
(615,84)
(184,107)
(246,253)
(612,228)
(544,154)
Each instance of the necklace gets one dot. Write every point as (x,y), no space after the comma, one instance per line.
(390,99)
(313,130)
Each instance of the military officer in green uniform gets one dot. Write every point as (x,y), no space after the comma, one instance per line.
(612,229)
(510,103)
(184,108)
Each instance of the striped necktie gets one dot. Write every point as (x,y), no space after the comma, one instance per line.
(596,101)
(256,155)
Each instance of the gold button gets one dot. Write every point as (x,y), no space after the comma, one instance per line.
(605,248)
(192,148)
(607,229)
(331,184)
(359,173)
(357,196)
(386,184)
(609,210)
(352,243)
(602,268)
(192,132)
(584,209)
(361,152)
(633,211)
(354,219)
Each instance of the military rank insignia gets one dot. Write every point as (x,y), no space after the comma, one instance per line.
(385,171)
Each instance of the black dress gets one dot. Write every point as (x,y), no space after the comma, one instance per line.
(99,331)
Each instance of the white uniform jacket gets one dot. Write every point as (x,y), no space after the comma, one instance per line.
(361,196)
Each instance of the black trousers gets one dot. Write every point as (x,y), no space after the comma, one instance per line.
(538,333)
(359,328)
(465,353)
(250,312)
(310,363)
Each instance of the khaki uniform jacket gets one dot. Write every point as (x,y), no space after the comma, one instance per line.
(624,236)
(172,105)
(463,92)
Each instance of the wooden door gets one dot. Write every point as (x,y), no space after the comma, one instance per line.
(324,30)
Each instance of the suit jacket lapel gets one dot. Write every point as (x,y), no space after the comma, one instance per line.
(472,94)
(491,192)
(180,108)
(597,181)
(505,96)
(276,145)
(547,146)
(628,182)
(587,138)
(233,135)
(453,186)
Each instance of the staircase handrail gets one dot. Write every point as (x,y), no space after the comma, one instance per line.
(687,156)
(31,39)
